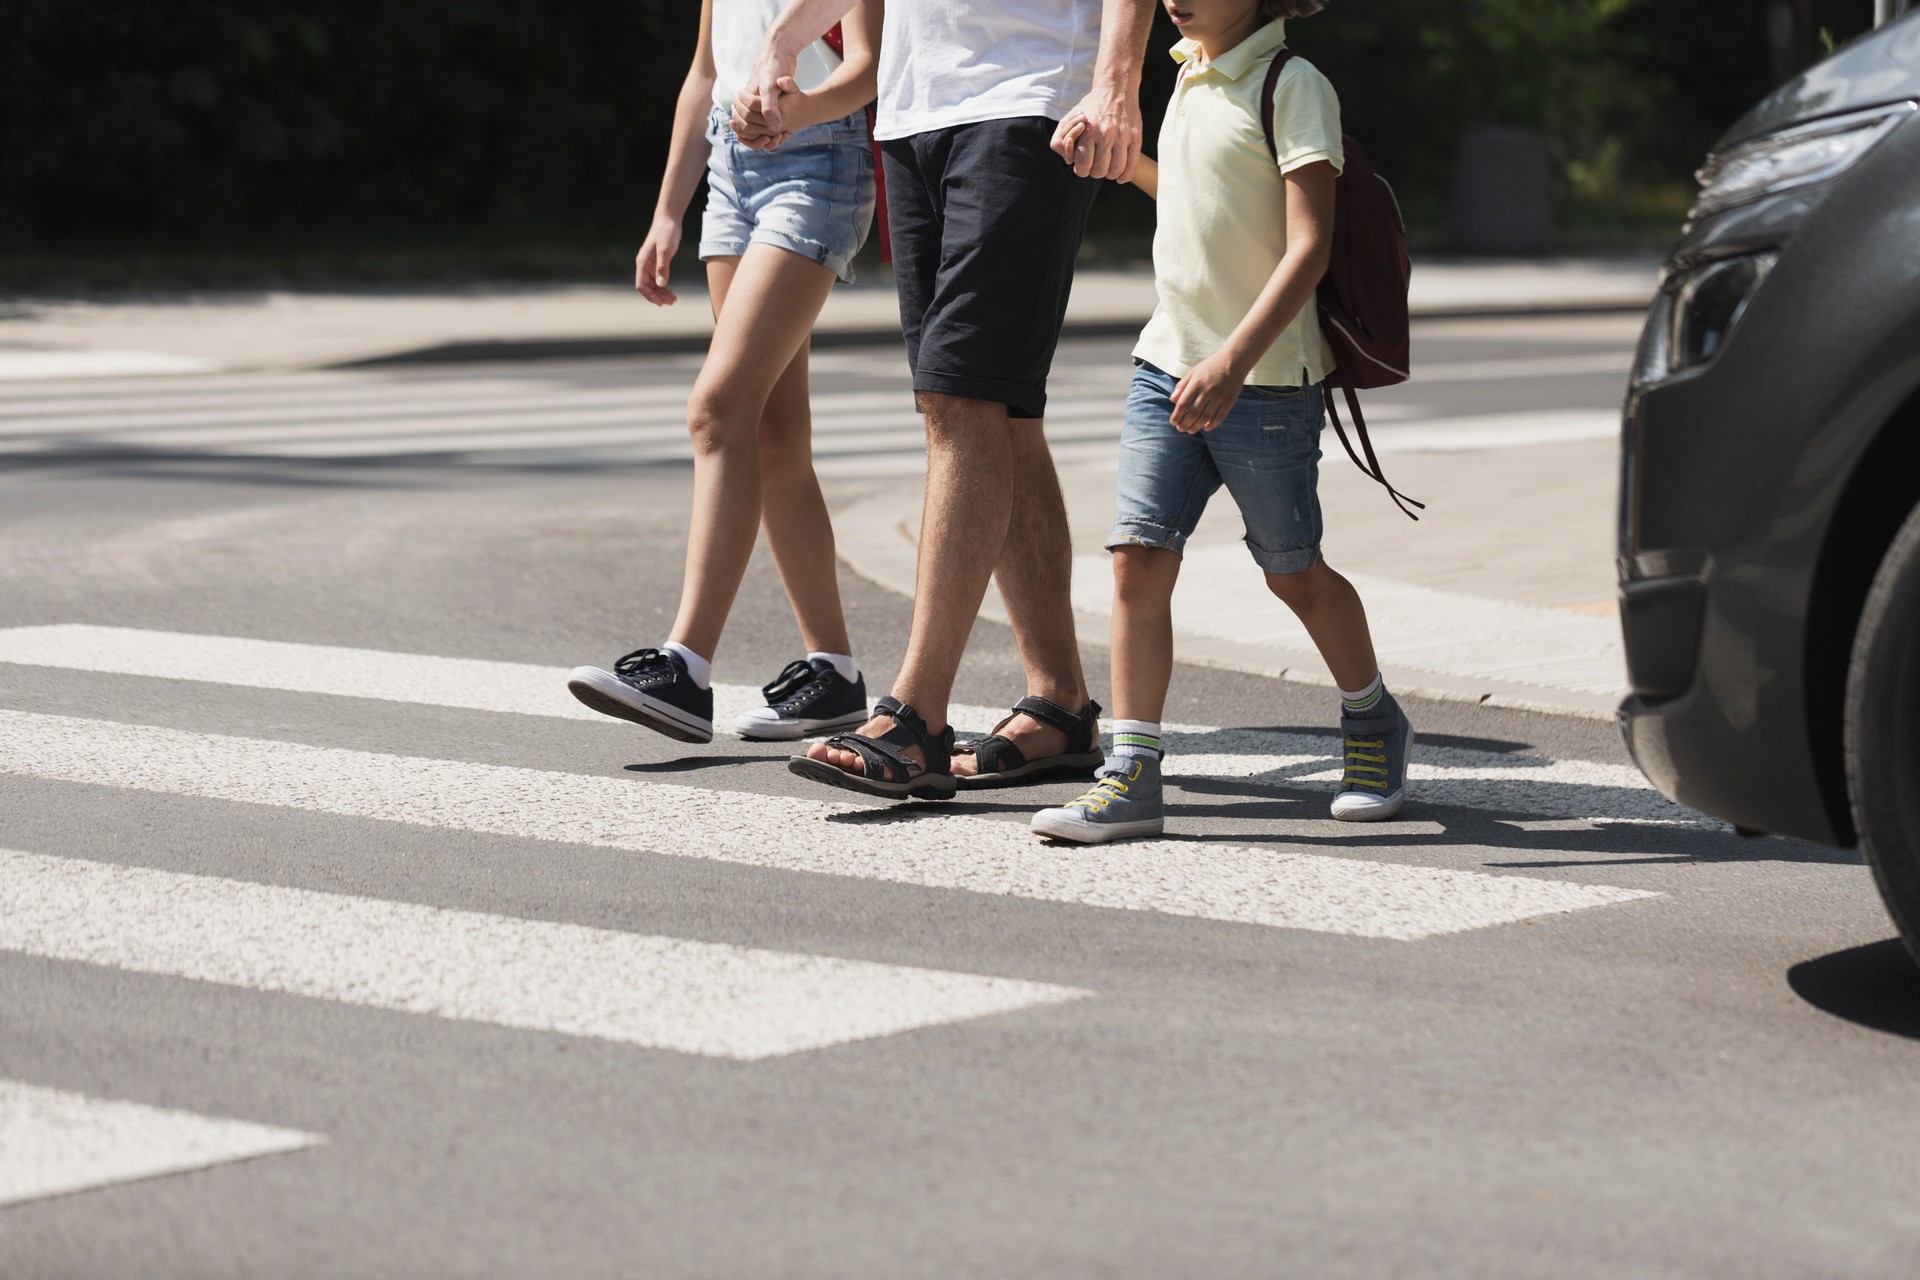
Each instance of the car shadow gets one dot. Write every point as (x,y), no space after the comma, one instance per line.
(1876,985)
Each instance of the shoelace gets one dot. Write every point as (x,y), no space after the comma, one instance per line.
(639,661)
(793,677)
(1105,790)
(1357,749)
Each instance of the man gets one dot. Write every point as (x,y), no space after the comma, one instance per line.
(986,222)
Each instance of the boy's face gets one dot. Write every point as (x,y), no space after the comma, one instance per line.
(1205,19)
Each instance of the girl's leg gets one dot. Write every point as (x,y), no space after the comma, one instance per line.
(794,512)
(1330,609)
(1143,579)
(765,307)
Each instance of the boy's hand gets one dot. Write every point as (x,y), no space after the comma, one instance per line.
(651,264)
(1202,398)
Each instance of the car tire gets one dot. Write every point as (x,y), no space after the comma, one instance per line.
(1883,731)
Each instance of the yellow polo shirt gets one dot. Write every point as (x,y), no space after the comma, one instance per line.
(1223,206)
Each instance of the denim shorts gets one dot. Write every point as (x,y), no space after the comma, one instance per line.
(1266,451)
(814,196)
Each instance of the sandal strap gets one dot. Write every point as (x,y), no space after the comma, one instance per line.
(886,759)
(994,753)
(997,753)
(889,750)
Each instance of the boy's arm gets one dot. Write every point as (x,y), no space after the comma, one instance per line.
(686,161)
(1147,177)
(1110,145)
(1203,397)
(850,87)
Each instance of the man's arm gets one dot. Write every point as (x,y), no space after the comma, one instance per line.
(799,25)
(1109,146)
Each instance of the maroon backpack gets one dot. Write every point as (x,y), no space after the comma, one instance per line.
(1363,298)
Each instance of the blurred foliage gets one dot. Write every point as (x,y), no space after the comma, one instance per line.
(258,127)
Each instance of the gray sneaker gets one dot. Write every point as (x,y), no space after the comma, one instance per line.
(1374,786)
(1123,802)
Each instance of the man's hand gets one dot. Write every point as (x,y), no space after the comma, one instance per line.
(651,264)
(1203,397)
(1101,136)
(767,82)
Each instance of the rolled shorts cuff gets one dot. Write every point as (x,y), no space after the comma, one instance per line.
(1145,533)
(1294,560)
(1022,399)
(812,250)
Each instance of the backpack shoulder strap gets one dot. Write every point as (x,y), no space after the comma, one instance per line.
(1279,64)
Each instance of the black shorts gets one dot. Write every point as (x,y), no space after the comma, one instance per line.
(986,223)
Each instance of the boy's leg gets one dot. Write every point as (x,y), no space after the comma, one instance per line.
(1331,611)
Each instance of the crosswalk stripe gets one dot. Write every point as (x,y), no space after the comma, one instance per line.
(705,998)
(1279,888)
(53,1142)
(1575,789)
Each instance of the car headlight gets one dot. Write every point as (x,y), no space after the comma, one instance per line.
(1695,314)
(1797,157)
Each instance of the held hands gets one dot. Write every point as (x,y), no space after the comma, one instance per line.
(758,122)
(651,264)
(1202,398)
(1100,137)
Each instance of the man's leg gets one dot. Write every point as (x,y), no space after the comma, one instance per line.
(1035,575)
(969,506)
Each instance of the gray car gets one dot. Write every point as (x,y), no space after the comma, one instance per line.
(1770,494)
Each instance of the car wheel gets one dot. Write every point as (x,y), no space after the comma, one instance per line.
(1883,731)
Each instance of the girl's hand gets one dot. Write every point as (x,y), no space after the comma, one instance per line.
(652,263)
(1202,398)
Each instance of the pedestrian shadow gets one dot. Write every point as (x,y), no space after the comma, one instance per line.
(1876,986)
(688,764)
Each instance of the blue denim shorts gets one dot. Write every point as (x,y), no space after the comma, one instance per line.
(1266,451)
(814,196)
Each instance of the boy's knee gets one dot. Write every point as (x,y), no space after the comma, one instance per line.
(1300,589)
(1140,570)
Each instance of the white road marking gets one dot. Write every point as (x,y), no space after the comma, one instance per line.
(1489,431)
(1573,789)
(702,998)
(21,365)
(1280,888)
(54,1143)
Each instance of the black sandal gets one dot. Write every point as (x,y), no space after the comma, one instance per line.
(1003,764)
(890,772)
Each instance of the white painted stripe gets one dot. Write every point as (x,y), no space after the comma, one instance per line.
(1523,368)
(947,850)
(1573,789)
(663,993)
(53,1143)
(52,365)
(1492,431)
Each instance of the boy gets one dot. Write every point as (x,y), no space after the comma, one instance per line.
(1226,391)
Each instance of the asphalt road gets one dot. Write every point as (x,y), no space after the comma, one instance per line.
(485,989)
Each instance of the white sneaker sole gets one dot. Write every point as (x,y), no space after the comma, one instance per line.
(758,730)
(1061,827)
(611,696)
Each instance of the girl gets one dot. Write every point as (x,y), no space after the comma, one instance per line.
(781,225)
(1226,391)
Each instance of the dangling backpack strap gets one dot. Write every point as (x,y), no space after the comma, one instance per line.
(1372,465)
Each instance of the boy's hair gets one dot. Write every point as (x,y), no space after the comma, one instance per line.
(1273,9)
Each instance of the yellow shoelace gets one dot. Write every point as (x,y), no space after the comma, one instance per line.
(1357,749)
(1101,794)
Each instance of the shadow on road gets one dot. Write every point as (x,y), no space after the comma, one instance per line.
(1877,986)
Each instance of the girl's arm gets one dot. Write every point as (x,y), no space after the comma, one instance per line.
(686,161)
(1203,397)
(851,86)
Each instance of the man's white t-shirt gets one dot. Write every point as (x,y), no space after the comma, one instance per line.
(738,28)
(951,62)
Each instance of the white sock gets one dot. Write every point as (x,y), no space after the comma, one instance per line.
(1359,702)
(842,662)
(697,667)
(1136,738)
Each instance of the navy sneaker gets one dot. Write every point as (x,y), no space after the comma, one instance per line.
(808,698)
(649,687)
(1373,787)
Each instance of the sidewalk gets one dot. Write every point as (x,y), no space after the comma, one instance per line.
(205,333)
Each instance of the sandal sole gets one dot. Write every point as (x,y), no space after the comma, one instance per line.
(1046,769)
(938,786)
